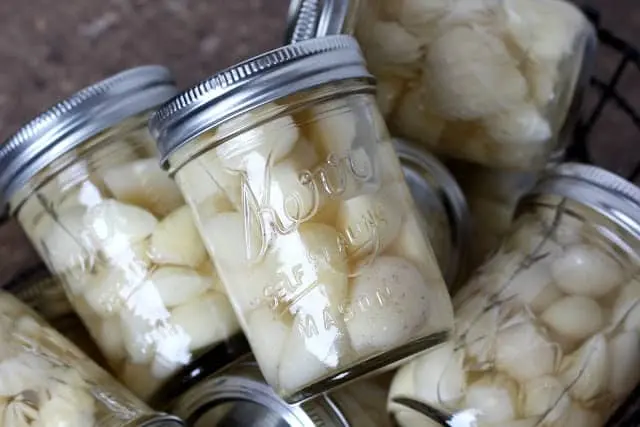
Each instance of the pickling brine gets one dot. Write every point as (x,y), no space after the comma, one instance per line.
(303,207)
(491,82)
(114,229)
(45,381)
(546,332)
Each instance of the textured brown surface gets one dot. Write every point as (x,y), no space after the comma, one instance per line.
(49,49)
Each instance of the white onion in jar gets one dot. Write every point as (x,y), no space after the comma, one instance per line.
(398,304)
(495,397)
(585,270)
(176,241)
(584,373)
(624,354)
(574,317)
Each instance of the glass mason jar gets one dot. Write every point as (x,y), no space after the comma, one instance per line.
(496,82)
(547,331)
(302,204)
(45,295)
(492,195)
(84,181)
(46,381)
(442,206)
(16,252)
(239,396)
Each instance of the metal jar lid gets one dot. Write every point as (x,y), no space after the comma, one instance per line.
(603,191)
(320,18)
(79,117)
(253,83)
(241,397)
(435,191)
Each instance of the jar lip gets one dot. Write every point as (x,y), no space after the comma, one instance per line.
(253,83)
(449,194)
(73,120)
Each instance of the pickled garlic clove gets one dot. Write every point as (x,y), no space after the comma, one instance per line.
(585,270)
(128,257)
(391,45)
(472,75)
(177,285)
(574,317)
(116,225)
(206,320)
(417,119)
(524,352)
(544,30)
(268,335)
(624,355)
(108,290)
(519,125)
(494,397)
(545,397)
(272,140)
(143,183)
(403,384)
(176,240)
(626,308)
(388,92)
(439,377)
(584,373)
(411,244)
(389,300)
(308,354)
(578,416)
(72,408)
(419,17)
(333,127)
(225,238)
(65,243)
(369,224)
(111,341)
(202,179)
(86,195)
(545,298)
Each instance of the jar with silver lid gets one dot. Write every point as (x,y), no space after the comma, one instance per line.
(548,330)
(442,206)
(239,396)
(302,204)
(496,82)
(492,195)
(45,381)
(84,182)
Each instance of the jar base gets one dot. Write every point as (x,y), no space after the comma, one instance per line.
(370,367)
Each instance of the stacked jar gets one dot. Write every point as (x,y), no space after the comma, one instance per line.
(547,331)
(84,182)
(303,207)
(496,84)
(45,381)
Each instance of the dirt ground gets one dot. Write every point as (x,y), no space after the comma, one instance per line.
(49,49)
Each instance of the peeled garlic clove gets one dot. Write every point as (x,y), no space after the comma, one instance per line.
(206,320)
(391,45)
(545,396)
(272,140)
(624,355)
(224,235)
(403,384)
(115,225)
(85,194)
(66,244)
(580,417)
(416,119)
(585,371)
(333,127)
(419,16)
(585,270)
(545,298)
(110,340)
(143,183)
(439,377)
(369,224)
(519,125)
(177,285)
(108,290)
(176,240)
(268,335)
(199,179)
(495,397)
(574,317)
(305,358)
(398,305)
(524,353)
(293,195)
(527,284)
(129,257)
(626,308)
(472,74)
